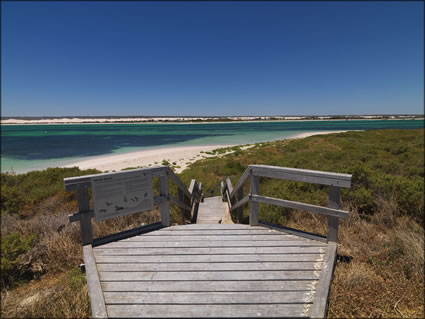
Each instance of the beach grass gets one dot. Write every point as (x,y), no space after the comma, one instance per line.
(380,267)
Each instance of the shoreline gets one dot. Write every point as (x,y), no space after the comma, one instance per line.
(180,157)
(68,121)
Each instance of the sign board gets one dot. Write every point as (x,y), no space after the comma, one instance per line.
(121,194)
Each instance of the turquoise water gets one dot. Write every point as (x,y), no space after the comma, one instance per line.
(30,147)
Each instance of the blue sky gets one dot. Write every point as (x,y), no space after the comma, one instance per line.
(211,58)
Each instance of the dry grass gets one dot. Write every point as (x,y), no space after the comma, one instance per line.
(59,289)
(383,276)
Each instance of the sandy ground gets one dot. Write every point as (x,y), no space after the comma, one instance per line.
(178,157)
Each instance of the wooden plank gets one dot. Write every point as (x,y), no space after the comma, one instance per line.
(320,305)
(222,226)
(215,243)
(253,206)
(226,311)
(297,233)
(316,257)
(215,232)
(240,182)
(205,298)
(302,175)
(95,290)
(208,275)
(127,233)
(333,222)
(300,206)
(86,230)
(205,286)
(243,201)
(257,266)
(164,207)
(274,237)
(75,183)
(99,251)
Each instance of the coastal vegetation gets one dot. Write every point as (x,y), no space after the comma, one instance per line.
(380,265)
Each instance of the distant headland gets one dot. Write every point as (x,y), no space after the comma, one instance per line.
(191,119)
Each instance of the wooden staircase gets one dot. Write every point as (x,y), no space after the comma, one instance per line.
(213,211)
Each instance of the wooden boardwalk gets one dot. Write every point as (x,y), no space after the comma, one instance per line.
(212,211)
(211,269)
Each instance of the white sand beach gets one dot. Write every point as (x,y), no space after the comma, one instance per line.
(179,157)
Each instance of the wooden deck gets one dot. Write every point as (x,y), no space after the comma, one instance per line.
(209,271)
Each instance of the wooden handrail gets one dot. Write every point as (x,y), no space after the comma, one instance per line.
(241,182)
(186,199)
(335,181)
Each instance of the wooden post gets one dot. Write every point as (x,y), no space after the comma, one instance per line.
(181,199)
(239,211)
(223,196)
(165,205)
(85,219)
(253,206)
(333,222)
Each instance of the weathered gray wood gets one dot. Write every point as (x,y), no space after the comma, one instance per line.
(208,275)
(302,175)
(215,243)
(178,182)
(229,185)
(85,219)
(192,186)
(239,266)
(210,227)
(164,207)
(320,304)
(75,183)
(301,206)
(99,251)
(239,210)
(241,182)
(215,232)
(181,200)
(333,222)
(316,257)
(205,298)
(222,190)
(242,202)
(198,238)
(205,286)
(296,232)
(76,216)
(253,206)
(226,311)
(96,296)
(127,233)
(72,218)
(229,202)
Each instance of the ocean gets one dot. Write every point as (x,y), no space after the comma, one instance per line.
(35,147)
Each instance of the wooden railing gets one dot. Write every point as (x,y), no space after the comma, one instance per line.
(235,198)
(187,200)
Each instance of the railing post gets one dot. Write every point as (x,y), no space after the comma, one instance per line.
(333,222)
(164,207)
(239,210)
(85,219)
(181,199)
(253,206)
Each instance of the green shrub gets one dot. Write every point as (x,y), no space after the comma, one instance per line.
(13,246)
